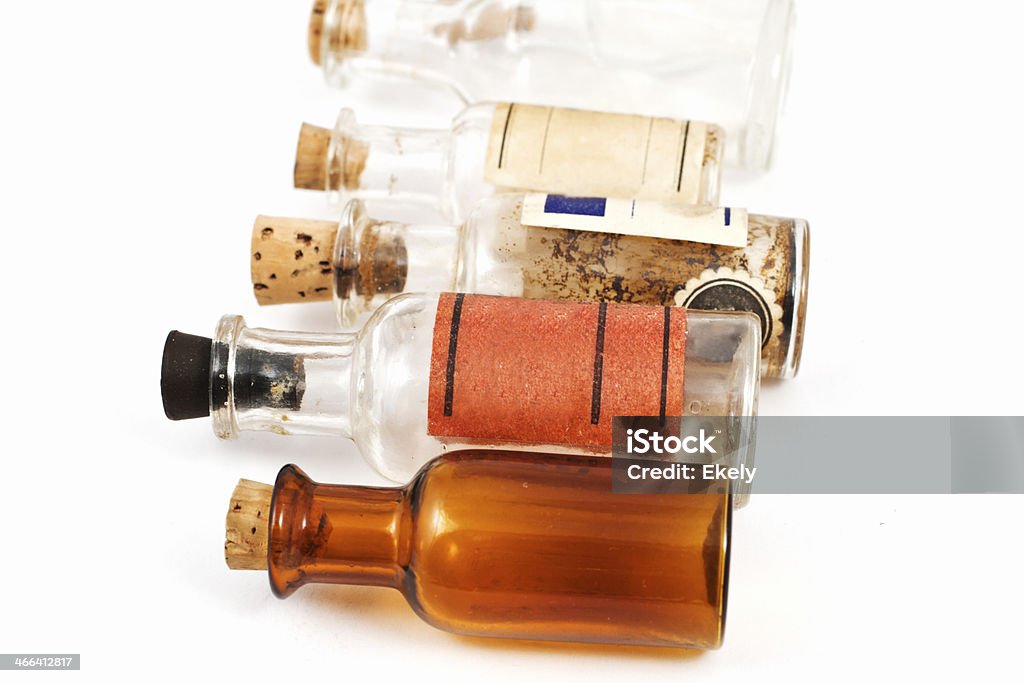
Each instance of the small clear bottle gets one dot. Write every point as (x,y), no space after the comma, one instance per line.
(714,60)
(432,373)
(505,545)
(361,262)
(494,146)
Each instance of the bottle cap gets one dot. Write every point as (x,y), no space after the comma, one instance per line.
(291,260)
(185,376)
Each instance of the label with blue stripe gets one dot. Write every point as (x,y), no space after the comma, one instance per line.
(648,218)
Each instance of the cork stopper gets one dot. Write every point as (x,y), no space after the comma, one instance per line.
(247,525)
(348,34)
(318,167)
(316,29)
(311,159)
(291,260)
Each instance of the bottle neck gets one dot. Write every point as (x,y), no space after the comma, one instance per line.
(373,162)
(334,534)
(376,260)
(411,38)
(282,382)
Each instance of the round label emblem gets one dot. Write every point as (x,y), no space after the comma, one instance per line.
(733,290)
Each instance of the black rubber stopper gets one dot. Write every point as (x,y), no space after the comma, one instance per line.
(185,376)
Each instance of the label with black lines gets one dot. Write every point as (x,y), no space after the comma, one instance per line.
(646,218)
(508,370)
(571,151)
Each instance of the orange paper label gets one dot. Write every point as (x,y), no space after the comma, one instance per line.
(549,372)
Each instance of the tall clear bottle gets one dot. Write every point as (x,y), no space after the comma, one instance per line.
(361,262)
(431,373)
(725,61)
(490,147)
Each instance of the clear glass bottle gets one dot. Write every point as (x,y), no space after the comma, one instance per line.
(432,373)
(725,61)
(490,146)
(504,545)
(362,262)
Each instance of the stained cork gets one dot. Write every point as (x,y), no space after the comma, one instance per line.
(291,260)
(247,525)
(311,159)
(347,34)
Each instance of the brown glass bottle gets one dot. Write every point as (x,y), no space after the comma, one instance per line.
(504,544)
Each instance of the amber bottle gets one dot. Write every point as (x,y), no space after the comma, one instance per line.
(503,544)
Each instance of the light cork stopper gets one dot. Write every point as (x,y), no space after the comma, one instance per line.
(247,525)
(291,260)
(316,29)
(311,159)
(349,34)
(318,167)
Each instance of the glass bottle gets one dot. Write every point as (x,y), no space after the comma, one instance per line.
(504,545)
(489,147)
(725,61)
(361,262)
(432,373)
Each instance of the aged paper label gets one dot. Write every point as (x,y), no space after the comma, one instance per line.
(570,151)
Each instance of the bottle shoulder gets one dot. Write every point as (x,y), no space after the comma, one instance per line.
(475,117)
(391,386)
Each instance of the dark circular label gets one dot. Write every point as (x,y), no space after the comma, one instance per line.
(726,294)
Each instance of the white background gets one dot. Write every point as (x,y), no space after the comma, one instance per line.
(140,139)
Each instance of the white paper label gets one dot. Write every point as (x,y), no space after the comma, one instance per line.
(668,220)
(552,149)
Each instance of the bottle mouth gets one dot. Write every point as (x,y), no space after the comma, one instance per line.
(345,258)
(371,263)
(346,157)
(290,488)
(769,82)
(195,377)
(222,369)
